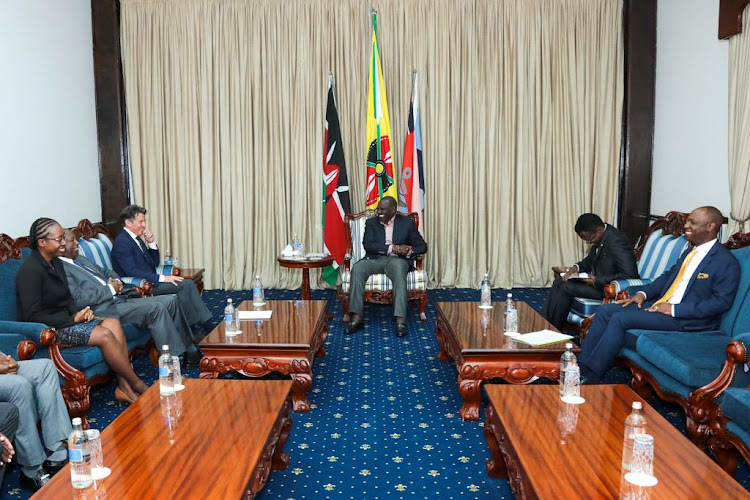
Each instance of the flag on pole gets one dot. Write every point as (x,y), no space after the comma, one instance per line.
(411,188)
(335,189)
(381,178)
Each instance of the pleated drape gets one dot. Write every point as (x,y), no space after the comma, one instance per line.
(520,101)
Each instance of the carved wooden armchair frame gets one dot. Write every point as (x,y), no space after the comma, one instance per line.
(380,296)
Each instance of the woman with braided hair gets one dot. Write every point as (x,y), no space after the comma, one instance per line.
(43,297)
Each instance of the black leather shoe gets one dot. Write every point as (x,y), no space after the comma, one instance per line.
(53,467)
(192,359)
(400,329)
(34,483)
(355,326)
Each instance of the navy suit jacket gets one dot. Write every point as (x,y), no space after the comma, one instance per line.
(710,291)
(404,233)
(129,260)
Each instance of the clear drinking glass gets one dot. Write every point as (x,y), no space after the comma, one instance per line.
(98,471)
(643,455)
(178,385)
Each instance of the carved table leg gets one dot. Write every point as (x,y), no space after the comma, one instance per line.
(280,459)
(206,368)
(301,383)
(495,465)
(725,454)
(470,392)
(442,354)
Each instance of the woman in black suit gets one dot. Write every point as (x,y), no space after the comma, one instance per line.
(43,297)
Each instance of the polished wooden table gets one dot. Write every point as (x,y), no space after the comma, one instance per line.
(549,449)
(217,439)
(288,343)
(474,339)
(305,264)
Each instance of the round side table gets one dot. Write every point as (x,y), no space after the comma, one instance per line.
(305,264)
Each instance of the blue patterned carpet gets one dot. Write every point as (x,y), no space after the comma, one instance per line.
(384,420)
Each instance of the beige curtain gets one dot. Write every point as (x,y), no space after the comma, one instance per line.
(520,105)
(739,129)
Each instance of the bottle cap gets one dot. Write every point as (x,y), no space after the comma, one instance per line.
(229,300)
(77,421)
(637,405)
(510,295)
(165,347)
(569,345)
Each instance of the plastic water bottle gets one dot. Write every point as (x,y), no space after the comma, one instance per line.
(634,424)
(258,298)
(486,292)
(295,245)
(564,362)
(79,455)
(511,315)
(572,385)
(167,258)
(166,372)
(229,317)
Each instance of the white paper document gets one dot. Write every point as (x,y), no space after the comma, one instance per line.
(250,315)
(542,337)
(577,276)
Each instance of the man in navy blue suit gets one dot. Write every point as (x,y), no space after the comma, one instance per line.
(135,253)
(391,241)
(691,296)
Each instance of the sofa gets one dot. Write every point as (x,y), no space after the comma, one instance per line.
(685,367)
(81,367)
(378,288)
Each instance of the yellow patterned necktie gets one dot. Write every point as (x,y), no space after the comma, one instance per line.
(668,294)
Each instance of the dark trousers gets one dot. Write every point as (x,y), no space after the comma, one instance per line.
(8,427)
(395,268)
(560,297)
(189,298)
(607,334)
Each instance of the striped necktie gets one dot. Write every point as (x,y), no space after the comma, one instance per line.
(670,291)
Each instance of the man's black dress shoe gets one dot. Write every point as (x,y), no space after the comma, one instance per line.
(53,466)
(400,329)
(36,482)
(192,359)
(355,326)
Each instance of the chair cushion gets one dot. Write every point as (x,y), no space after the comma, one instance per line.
(660,254)
(415,280)
(693,359)
(98,250)
(664,381)
(739,432)
(584,307)
(736,406)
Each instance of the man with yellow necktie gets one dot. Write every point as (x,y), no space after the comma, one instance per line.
(691,296)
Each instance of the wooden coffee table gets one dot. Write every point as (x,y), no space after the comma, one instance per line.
(288,343)
(549,449)
(484,352)
(217,439)
(195,274)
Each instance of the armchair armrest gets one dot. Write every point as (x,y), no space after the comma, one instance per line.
(418,262)
(31,331)
(168,270)
(142,286)
(613,289)
(701,400)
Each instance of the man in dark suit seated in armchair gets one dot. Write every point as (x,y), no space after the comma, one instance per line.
(611,257)
(391,241)
(102,291)
(132,256)
(691,296)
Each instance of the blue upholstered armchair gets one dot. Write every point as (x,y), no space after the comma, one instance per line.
(80,367)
